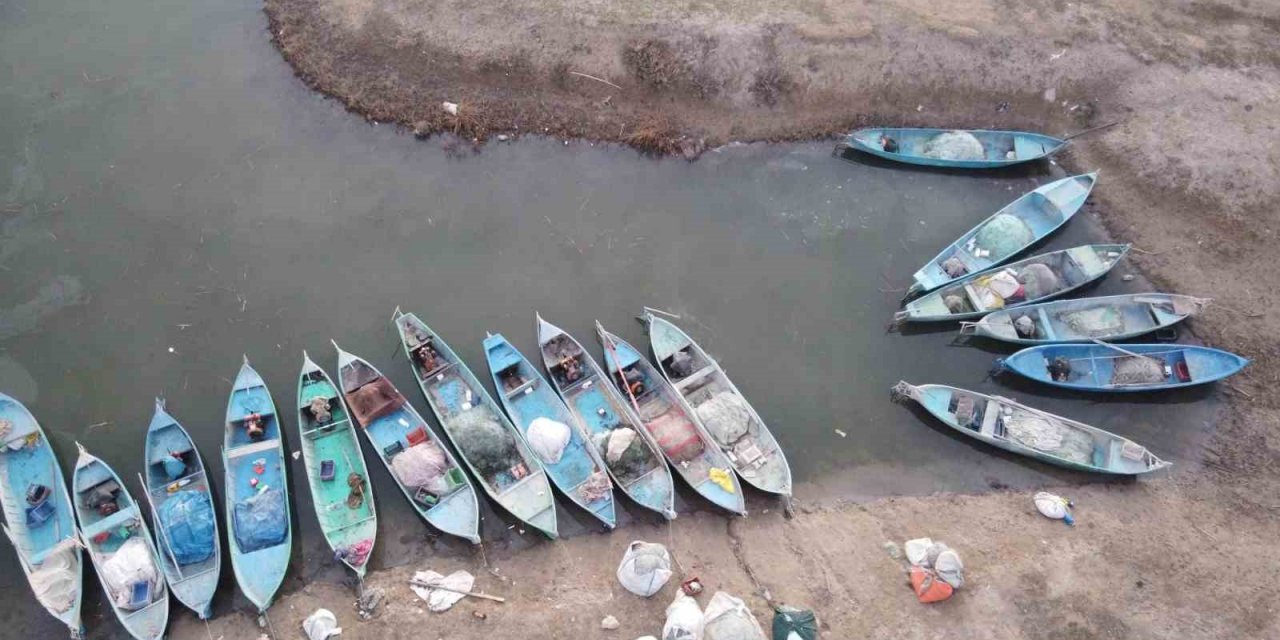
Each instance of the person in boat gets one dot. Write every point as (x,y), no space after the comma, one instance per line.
(571,367)
(634,381)
(254,427)
(888,144)
(511,378)
(426,356)
(1060,369)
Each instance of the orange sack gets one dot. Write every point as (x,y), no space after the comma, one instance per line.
(928,587)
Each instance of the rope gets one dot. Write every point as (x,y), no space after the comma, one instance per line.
(269,627)
(207,631)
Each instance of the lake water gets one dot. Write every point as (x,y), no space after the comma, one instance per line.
(193,202)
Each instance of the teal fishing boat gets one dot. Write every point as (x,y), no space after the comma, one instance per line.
(962,149)
(487,442)
(256,489)
(340,487)
(181,502)
(1036,279)
(38,517)
(1008,232)
(724,412)
(1015,427)
(550,430)
(115,534)
(688,448)
(1104,318)
(632,458)
(1123,368)
(413,454)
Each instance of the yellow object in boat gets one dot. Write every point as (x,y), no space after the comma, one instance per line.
(722,478)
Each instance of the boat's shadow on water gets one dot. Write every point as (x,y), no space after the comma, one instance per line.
(1036,169)
(1057,474)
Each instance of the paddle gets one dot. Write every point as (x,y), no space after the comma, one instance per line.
(431,585)
(164,535)
(1097,128)
(608,343)
(1112,346)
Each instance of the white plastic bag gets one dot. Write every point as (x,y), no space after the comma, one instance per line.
(645,568)
(439,600)
(321,624)
(1050,505)
(916,550)
(684,619)
(548,439)
(131,564)
(727,618)
(619,440)
(949,568)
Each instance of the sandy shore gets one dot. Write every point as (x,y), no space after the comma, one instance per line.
(1190,177)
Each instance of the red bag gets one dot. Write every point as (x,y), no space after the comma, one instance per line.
(928,587)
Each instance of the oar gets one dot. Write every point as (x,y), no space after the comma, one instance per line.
(1112,346)
(608,343)
(482,596)
(1097,128)
(164,534)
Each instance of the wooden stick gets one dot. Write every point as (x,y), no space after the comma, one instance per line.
(483,596)
(1097,128)
(1112,346)
(583,75)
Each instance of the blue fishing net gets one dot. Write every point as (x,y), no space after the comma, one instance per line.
(261,521)
(187,518)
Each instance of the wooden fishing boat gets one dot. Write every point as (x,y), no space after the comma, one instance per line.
(630,455)
(1117,368)
(256,489)
(115,534)
(38,517)
(1087,319)
(1018,284)
(1008,232)
(689,449)
(925,147)
(424,469)
(575,469)
(340,488)
(716,402)
(182,510)
(464,408)
(1020,429)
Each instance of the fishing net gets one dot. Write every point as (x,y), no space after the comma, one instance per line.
(1096,321)
(954,145)
(374,400)
(485,442)
(596,487)
(625,452)
(1137,370)
(57,580)
(1003,236)
(188,526)
(1038,281)
(1049,436)
(422,466)
(726,416)
(676,436)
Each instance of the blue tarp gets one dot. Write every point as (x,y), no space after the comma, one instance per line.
(187,518)
(261,521)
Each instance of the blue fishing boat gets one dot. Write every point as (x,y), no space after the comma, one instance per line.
(485,439)
(256,491)
(632,458)
(1015,427)
(689,449)
(178,493)
(38,517)
(413,454)
(115,534)
(550,430)
(1018,284)
(1087,319)
(962,149)
(340,489)
(713,400)
(1129,367)
(1008,232)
